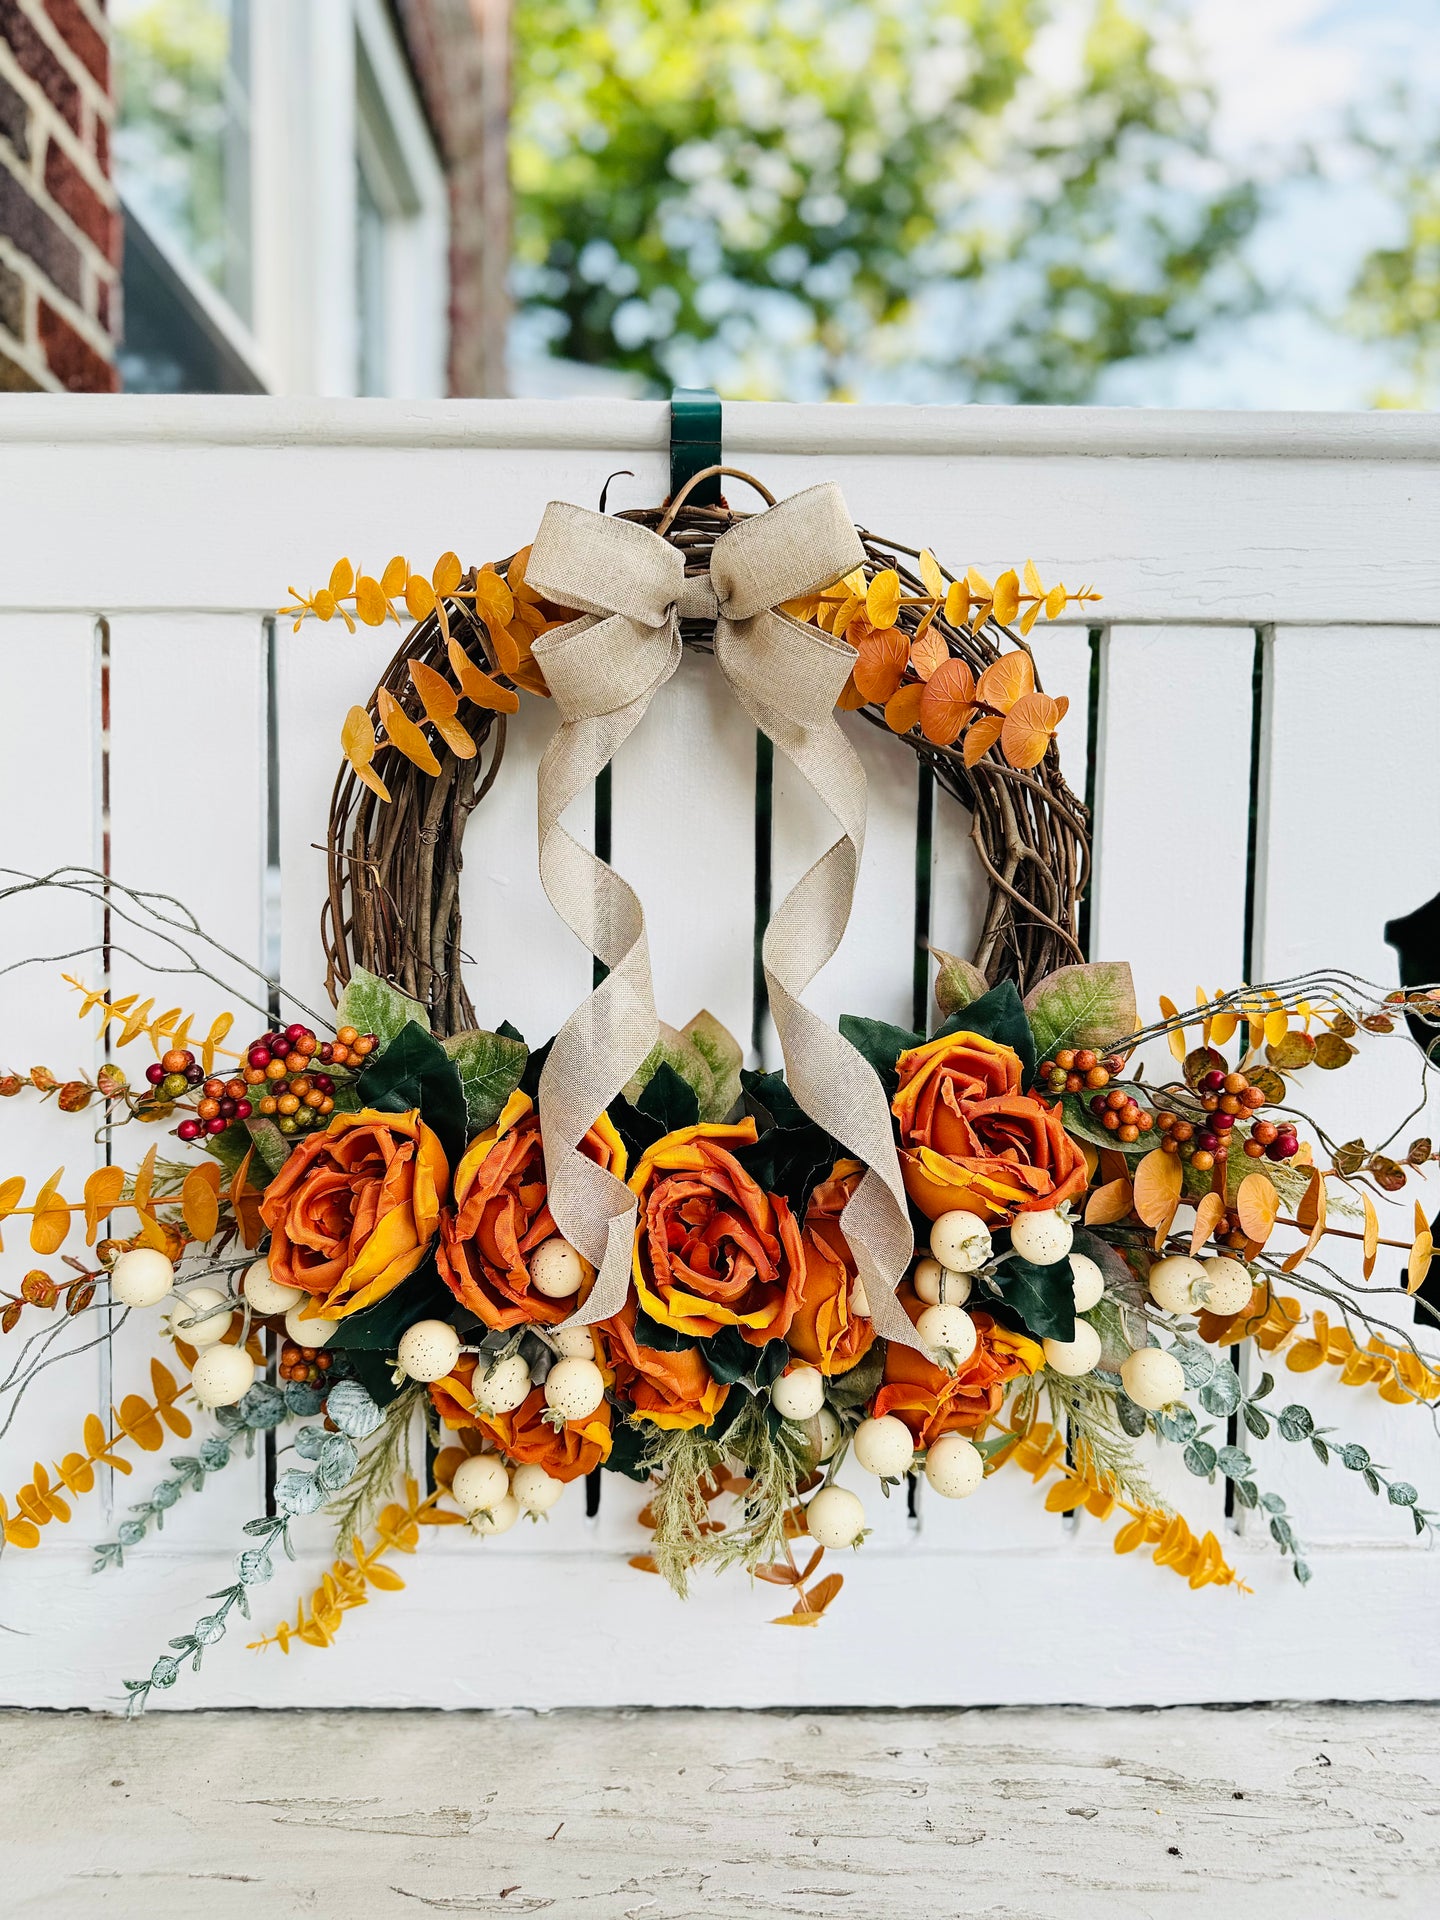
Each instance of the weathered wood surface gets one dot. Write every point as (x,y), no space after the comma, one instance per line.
(1318,1812)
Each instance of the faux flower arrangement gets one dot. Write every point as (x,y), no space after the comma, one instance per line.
(368,1245)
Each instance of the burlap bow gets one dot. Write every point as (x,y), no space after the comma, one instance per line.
(603,670)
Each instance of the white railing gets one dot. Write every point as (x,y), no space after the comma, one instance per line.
(1261,693)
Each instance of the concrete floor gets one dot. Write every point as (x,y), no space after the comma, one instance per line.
(1010,1814)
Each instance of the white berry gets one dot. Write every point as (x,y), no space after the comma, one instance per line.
(1152,1379)
(799,1394)
(574,1388)
(960,1241)
(556,1269)
(825,1432)
(1089,1281)
(1041,1238)
(835,1517)
(497,1519)
(480,1482)
(884,1446)
(1077,1356)
(950,1328)
(222,1375)
(197,1304)
(502,1387)
(308,1330)
(938,1286)
(1228,1286)
(141,1278)
(429,1350)
(573,1343)
(1177,1283)
(534,1490)
(265,1293)
(954,1466)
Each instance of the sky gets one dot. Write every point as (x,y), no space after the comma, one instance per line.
(1287,72)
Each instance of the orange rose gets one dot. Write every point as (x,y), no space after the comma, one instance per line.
(825,1331)
(525,1436)
(931,1401)
(500,1216)
(713,1249)
(970,1139)
(353,1209)
(670,1390)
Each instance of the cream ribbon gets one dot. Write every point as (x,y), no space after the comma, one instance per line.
(603,671)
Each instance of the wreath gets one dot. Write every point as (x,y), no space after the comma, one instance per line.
(365,1226)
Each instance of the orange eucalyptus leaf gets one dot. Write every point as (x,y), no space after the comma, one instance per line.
(881,660)
(493,599)
(957,603)
(371,606)
(102,1191)
(927,652)
(448,573)
(478,687)
(1372,1233)
(902,709)
(1209,1212)
(219,1027)
(948,702)
(882,598)
(1158,1180)
(930,573)
(200,1200)
(1258,1205)
(357,738)
(981,736)
(342,580)
(1007,680)
(1029,726)
(1176,1037)
(419,597)
(1109,1203)
(50,1222)
(851,699)
(1422,1252)
(1006,602)
(392,580)
(403,733)
(440,701)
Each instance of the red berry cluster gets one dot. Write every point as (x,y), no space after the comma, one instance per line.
(307,1366)
(287,1063)
(1224,1099)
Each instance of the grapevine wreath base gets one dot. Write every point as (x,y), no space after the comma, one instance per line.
(350,1228)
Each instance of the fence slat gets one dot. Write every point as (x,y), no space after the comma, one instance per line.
(1349,777)
(50,696)
(203,675)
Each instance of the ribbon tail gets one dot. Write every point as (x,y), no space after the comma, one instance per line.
(835,1085)
(605,1040)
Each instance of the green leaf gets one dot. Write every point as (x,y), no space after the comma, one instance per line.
(660,1338)
(957,983)
(669,1100)
(998,1015)
(415,1071)
(272,1149)
(372,1005)
(630,1447)
(1247,1494)
(1200,1457)
(858,1383)
(1133,1419)
(881,1044)
(231,1147)
(424,1296)
(489,1066)
(1356,1457)
(705,1055)
(1256,1421)
(1221,1393)
(769,1101)
(1083,1006)
(1402,1494)
(1235,1464)
(1176,1423)
(791,1162)
(1296,1422)
(1044,1297)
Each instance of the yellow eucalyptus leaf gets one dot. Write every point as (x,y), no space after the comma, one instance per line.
(478,687)
(370,602)
(200,1200)
(448,573)
(440,701)
(1158,1180)
(882,599)
(392,580)
(1258,1205)
(342,579)
(102,1192)
(1032,580)
(957,603)
(931,575)
(419,597)
(403,733)
(1006,602)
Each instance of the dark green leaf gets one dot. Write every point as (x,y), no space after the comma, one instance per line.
(1296,1422)
(415,1071)
(1256,1421)
(1282,1533)
(1267,1382)
(1044,1297)
(1372,1481)
(230,1149)
(534,1066)
(1176,1423)
(1322,1452)
(660,1338)
(790,1161)
(1235,1464)
(1247,1494)
(638,1130)
(1221,1393)
(1302,1573)
(861,1382)
(728,1357)
(1200,1457)
(509,1032)
(769,1101)
(1356,1457)
(774,1358)
(424,1296)
(998,1015)
(669,1100)
(1402,1494)
(881,1044)
(1133,1419)
(630,1448)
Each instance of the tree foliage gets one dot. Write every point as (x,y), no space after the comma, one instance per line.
(990,199)
(1395,297)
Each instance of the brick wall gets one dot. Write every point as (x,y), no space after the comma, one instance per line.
(460,50)
(59,220)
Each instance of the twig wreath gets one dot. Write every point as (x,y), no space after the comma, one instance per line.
(1012,1242)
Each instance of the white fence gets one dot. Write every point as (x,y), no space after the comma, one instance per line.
(1262,642)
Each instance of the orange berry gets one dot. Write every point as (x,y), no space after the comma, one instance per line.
(327,1105)
(347,1036)
(287,1103)
(1144,1121)
(1086,1058)
(208,1109)
(268,1104)
(175,1061)
(275,1070)
(1117,1101)
(214,1089)
(306,1045)
(1230,1103)
(363,1045)
(1254,1150)
(1066,1058)
(1110,1121)
(1128,1133)
(339,1056)
(1235,1083)
(1169,1144)
(1074,1082)
(300,1085)
(1184,1130)
(1202,1161)
(253,1076)
(1165,1121)
(1095,1076)
(314,1097)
